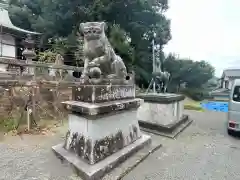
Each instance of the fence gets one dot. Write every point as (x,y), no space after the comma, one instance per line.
(37,96)
(30,91)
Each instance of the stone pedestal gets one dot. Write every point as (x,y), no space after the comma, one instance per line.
(103,134)
(162,114)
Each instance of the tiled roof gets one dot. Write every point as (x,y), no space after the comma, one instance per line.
(231,73)
(6,22)
(220,91)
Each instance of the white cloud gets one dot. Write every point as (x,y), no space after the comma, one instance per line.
(206,30)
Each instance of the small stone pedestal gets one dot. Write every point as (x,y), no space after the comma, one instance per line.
(103,129)
(162,114)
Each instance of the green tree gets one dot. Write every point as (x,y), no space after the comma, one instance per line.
(193,74)
(199,74)
(121,41)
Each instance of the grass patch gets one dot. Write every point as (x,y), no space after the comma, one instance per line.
(190,104)
(7,124)
(195,107)
(11,124)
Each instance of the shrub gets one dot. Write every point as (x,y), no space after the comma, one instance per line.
(195,94)
(47,56)
(7,124)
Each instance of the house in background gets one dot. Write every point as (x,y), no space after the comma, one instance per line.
(226,82)
(10,37)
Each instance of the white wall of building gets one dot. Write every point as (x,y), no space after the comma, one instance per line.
(7,46)
(230,83)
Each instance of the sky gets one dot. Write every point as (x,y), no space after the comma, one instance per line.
(206,30)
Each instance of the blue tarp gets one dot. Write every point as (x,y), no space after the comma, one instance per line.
(215,106)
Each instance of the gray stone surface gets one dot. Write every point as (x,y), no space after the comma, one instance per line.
(156,112)
(163,98)
(203,151)
(95,140)
(93,109)
(171,132)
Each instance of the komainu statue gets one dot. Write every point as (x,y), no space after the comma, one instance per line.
(100,60)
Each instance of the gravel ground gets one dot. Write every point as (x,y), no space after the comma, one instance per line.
(202,151)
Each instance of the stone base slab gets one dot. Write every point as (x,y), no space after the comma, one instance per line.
(171,132)
(163,98)
(92,110)
(98,170)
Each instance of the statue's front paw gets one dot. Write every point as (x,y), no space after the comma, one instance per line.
(93,64)
(84,78)
(111,76)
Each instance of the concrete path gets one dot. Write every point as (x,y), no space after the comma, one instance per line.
(203,151)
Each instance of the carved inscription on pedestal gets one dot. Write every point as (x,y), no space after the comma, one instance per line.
(103,93)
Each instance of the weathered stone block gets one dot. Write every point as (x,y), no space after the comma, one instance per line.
(163,109)
(161,112)
(94,140)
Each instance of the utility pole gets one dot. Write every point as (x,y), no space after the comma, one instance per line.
(152,82)
(153,63)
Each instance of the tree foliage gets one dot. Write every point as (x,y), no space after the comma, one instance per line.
(191,74)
